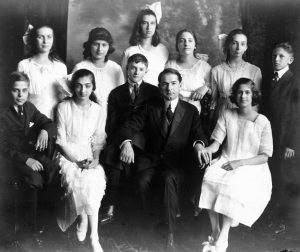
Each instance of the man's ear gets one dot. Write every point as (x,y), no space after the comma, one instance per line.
(291,60)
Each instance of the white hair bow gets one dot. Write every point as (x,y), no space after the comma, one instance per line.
(156,8)
(26,34)
(221,39)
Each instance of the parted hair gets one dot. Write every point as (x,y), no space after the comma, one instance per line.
(136,35)
(169,71)
(17,76)
(256,95)
(285,46)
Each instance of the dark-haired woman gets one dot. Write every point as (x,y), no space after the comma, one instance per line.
(81,137)
(46,72)
(237,186)
(234,67)
(145,40)
(108,74)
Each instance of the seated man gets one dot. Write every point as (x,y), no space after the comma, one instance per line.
(123,102)
(172,128)
(27,159)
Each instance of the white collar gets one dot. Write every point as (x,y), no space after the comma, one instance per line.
(131,83)
(282,71)
(173,104)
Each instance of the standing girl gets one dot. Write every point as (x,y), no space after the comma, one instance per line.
(81,137)
(234,67)
(108,74)
(195,72)
(45,70)
(145,40)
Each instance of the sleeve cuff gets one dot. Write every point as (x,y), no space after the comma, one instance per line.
(124,142)
(200,142)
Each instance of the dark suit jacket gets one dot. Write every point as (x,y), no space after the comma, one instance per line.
(120,109)
(169,149)
(15,135)
(283,110)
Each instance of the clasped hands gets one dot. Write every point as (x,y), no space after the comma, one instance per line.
(88,163)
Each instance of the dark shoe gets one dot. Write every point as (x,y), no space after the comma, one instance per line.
(106,218)
(170,243)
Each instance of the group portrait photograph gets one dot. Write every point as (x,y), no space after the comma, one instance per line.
(150,126)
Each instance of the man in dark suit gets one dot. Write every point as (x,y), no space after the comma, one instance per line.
(282,106)
(172,129)
(123,102)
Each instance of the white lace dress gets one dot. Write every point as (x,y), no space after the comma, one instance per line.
(241,194)
(193,78)
(79,132)
(48,84)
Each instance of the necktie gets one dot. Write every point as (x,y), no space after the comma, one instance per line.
(275,79)
(134,92)
(20,111)
(169,113)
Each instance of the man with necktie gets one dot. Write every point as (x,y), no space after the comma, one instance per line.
(123,102)
(172,129)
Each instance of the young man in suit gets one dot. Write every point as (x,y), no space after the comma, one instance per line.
(283,109)
(172,129)
(123,102)
(24,153)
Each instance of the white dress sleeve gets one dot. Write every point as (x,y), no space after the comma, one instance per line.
(266,141)
(99,137)
(220,131)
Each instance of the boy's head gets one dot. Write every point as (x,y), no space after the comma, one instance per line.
(19,87)
(282,56)
(137,67)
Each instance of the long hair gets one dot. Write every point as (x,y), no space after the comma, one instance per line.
(136,35)
(32,43)
(229,39)
(82,73)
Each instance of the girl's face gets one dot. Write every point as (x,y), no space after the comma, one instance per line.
(186,43)
(44,39)
(148,26)
(238,45)
(83,88)
(99,49)
(244,96)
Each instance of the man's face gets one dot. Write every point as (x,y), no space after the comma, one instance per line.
(169,86)
(19,92)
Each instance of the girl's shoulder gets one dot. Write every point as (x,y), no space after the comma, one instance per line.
(203,64)
(84,64)
(251,66)
(113,64)
(262,120)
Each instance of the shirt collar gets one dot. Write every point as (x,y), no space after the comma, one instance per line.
(282,71)
(131,83)
(173,104)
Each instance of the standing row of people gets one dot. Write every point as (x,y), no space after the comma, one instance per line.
(148,129)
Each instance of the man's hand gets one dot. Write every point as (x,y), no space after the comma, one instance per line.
(127,153)
(203,154)
(288,153)
(42,141)
(34,164)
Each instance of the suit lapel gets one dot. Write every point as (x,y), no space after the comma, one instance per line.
(284,78)
(158,119)
(178,114)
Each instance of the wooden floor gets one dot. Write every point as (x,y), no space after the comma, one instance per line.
(143,231)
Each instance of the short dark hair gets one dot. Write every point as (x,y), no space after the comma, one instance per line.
(285,46)
(229,39)
(181,32)
(169,71)
(82,73)
(256,96)
(32,43)
(136,35)
(17,76)
(137,58)
(98,33)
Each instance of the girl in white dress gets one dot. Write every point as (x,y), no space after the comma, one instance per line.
(145,40)
(237,185)
(195,72)
(81,137)
(234,68)
(108,74)
(47,73)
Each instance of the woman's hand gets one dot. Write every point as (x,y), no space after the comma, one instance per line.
(288,153)
(42,141)
(231,165)
(198,94)
(93,163)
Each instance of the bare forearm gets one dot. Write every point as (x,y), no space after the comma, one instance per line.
(257,160)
